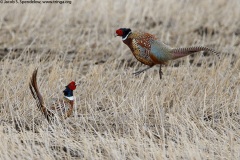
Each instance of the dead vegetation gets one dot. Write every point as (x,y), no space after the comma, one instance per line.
(192,113)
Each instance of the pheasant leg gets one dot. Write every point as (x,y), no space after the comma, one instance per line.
(138,72)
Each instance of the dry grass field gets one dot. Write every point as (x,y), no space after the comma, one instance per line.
(192,113)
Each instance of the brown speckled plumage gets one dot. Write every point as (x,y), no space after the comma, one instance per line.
(134,40)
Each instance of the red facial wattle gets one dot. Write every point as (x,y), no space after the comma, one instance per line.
(119,32)
(72,85)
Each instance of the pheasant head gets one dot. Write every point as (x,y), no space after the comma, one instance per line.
(68,92)
(123,32)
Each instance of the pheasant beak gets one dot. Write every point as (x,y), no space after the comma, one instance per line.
(115,34)
(77,83)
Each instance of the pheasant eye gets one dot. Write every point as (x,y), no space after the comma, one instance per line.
(119,32)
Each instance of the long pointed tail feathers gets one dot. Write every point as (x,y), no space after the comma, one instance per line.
(38,97)
(181,52)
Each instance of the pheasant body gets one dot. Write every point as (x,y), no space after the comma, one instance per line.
(147,49)
(150,51)
(62,107)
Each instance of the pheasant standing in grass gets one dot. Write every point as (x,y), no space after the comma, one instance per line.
(63,107)
(150,51)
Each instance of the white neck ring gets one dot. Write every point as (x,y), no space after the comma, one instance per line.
(126,36)
(69,98)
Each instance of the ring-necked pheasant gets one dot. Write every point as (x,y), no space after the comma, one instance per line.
(150,51)
(63,107)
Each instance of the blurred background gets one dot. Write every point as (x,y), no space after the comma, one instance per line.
(84,30)
(192,113)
